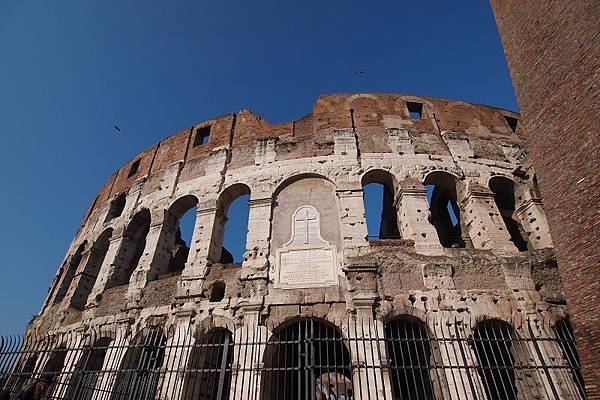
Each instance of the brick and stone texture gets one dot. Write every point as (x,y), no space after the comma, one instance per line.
(307,250)
(553,52)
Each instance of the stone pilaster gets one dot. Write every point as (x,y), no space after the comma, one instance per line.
(413,217)
(259,232)
(480,215)
(352,217)
(533,219)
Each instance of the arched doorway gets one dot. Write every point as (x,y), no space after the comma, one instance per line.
(306,360)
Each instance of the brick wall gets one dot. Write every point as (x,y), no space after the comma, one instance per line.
(553,51)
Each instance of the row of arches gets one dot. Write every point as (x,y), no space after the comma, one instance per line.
(310,358)
(229,231)
(442,190)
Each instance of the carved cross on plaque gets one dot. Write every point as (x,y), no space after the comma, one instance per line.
(306,216)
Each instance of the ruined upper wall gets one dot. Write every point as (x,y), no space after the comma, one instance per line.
(370,114)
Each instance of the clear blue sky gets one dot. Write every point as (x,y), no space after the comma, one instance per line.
(70,70)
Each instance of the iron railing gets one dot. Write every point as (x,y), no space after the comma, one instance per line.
(307,359)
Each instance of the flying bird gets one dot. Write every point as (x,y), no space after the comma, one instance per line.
(359,72)
(117,128)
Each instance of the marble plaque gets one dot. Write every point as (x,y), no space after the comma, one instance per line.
(306,260)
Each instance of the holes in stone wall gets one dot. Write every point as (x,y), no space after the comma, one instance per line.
(512,122)
(505,199)
(135,166)
(202,136)
(231,226)
(378,198)
(68,274)
(217,291)
(443,206)
(116,207)
(131,250)
(415,110)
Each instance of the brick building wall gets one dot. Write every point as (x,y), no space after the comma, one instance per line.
(553,52)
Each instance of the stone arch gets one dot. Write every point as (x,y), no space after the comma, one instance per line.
(293,178)
(305,356)
(305,190)
(210,362)
(90,271)
(443,188)
(178,249)
(498,350)
(88,370)
(412,353)
(507,200)
(139,372)
(388,227)
(69,272)
(218,253)
(131,249)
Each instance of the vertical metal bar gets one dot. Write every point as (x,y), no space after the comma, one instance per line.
(464,361)
(541,357)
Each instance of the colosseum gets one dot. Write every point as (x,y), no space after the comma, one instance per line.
(458,297)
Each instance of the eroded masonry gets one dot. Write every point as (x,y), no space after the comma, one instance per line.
(457,298)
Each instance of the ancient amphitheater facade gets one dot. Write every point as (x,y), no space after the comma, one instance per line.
(458,298)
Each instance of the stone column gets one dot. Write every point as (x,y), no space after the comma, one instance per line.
(259,231)
(203,249)
(480,215)
(532,216)
(75,351)
(413,217)
(250,342)
(352,218)
(178,350)
(370,373)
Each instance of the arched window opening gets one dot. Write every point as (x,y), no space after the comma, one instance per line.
(55,365)
(217,291)
(505,199)
(410,354)
(116,207)
(443,207)
(378,197)
(493,343)
(306,360)
(180,222)
(229,235)
(139,372)
(69,273)
(83,382)
(91,270)
(210,365)
(23,371)
(564,333)
(132,249)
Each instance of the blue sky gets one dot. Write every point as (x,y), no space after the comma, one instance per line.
(71,69)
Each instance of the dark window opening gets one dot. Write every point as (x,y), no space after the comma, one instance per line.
(217,291)
(134,168)
(116,207)
(493,345)
(140,371)
(444,210)
(202,135)
(415,110)
(178,230)
(210,365)
(306,360)
(505,199)
(512,122)
(69,272)
(91,270)
(82,385)
(131,250)
(409,351)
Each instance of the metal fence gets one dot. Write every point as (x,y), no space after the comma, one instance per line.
(306,359)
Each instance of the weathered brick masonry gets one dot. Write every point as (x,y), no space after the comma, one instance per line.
(553,51)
